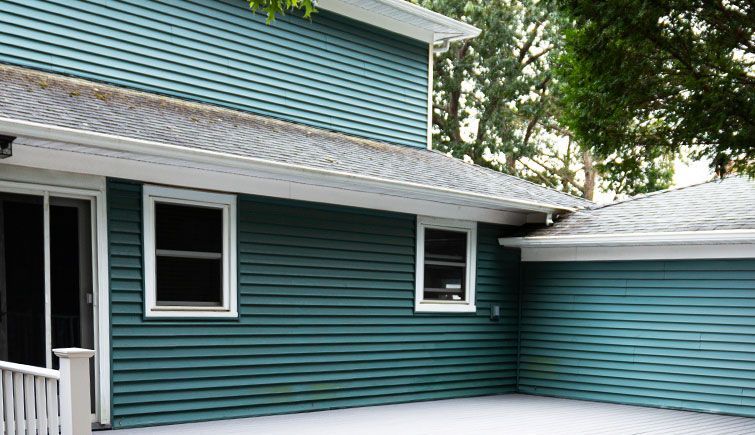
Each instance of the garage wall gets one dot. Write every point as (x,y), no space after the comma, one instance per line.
(326,320)
(675,334)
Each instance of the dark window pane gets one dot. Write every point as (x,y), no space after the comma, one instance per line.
(188,228)
(442,245)
(189,281)
(445,283)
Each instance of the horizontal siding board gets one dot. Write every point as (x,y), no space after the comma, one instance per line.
(326,301)
(331,73)
(660,333)
(70,20)
(135,377)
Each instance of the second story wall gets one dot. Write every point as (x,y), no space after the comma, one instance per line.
(331,72)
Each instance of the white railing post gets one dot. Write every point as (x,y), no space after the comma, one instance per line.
(75,408)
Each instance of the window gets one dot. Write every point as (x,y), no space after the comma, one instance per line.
(190,253)
(446,260)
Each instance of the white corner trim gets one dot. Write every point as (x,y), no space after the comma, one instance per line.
(195,155)
(650,252)
(227,203)
(430,99)
(468,304)
(633,239)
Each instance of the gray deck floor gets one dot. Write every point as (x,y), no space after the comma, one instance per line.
(509,414)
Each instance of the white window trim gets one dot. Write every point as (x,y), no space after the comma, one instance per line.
(31,181)
(465,306)
(227,203)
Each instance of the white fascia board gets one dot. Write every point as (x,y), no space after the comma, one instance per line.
(292,171)
(451,29)
(639,253)
(684,245)
(634,239)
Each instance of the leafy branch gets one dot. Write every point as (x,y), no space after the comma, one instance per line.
(279,7)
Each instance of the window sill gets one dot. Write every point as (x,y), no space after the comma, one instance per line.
(444,307)
(190,313)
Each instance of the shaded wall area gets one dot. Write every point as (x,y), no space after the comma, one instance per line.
(677,334)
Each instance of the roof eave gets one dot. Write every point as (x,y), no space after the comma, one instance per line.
(120,143)
(448,28)
(632,239)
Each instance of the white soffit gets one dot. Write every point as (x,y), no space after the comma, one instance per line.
(82,159)
(402,17)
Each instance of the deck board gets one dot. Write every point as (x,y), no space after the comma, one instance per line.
(514,413)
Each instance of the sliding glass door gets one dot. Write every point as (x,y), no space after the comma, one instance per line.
(46,277)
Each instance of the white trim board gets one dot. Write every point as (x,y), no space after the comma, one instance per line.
(633,239)
(636,246)
(194,156)
(89,160)
(650,252)
(17,180)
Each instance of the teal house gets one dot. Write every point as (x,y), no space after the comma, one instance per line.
(245,219)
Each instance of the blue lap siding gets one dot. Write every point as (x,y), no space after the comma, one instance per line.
(675,334)
(326,320)
(330,72)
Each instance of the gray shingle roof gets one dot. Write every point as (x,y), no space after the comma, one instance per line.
(727,204)
(40,97)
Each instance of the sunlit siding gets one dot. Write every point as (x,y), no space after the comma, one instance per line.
(330,72)
(663,333)
(326,320)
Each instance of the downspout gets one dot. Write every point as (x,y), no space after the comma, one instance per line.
(443,47)
(519,302)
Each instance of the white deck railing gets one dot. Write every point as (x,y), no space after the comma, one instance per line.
(40,401)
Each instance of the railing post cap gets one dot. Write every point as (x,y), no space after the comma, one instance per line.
(73,352)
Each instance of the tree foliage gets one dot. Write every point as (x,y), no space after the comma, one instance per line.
(665,75)
(498,103)
(279,7)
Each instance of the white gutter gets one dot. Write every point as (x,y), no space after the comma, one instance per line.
(119,143)
(633,239)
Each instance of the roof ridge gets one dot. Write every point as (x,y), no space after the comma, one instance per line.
(513,177)
(660,192)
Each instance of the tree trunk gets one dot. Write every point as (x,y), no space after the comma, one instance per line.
(511,163)
(588,192)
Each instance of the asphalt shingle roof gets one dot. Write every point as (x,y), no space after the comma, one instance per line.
(45,98)
(727,204)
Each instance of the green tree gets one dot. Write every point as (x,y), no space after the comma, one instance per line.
(663,74)
(279,7)
(498,103)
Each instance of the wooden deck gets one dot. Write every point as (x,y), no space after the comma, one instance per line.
(509,414)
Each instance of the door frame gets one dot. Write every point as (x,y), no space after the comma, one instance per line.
(101,310)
